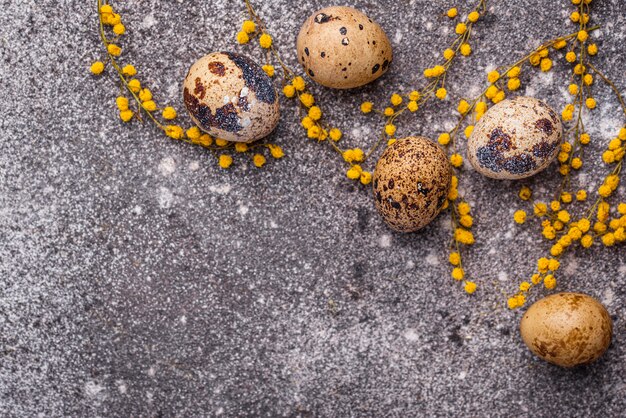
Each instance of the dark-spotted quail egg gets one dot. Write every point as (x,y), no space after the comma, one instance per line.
(342,48)
(229,96)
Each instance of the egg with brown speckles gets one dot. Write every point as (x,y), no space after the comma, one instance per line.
(567,329)
(411,183)
(340,47)
(229,96)
(515,139)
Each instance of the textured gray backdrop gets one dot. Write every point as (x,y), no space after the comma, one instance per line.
(138,279)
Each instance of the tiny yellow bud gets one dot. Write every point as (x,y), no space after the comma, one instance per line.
(269,70)
(470,287)
(126,115)
(265,41)
(396,99)
(169,113)
(119,29)
(248,26)
(493,76)
(289,90)
(298,83)
(225,161)
(444,138)
(258,160)
(97,67)
(366,107)
(129,70)
(114,50)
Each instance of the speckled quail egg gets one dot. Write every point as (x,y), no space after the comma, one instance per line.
(567,329)
(411,183)
(515,139)
(342,48)
(229,96)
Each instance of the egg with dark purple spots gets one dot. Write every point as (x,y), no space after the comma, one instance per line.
(515,139)
(411,183)
(340,47)
(229,96)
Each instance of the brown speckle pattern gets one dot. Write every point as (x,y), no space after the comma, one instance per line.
(515,139)
(567,329)
(334,36)
(411,182)
(230,97)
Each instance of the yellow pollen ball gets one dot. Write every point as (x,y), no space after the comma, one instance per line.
(169,113)
(248,26)
(97,67)
(269,70)
(265,41)
(470,287)
(225,161)
(129,70)
(258,160)
(444,139)
(289,91)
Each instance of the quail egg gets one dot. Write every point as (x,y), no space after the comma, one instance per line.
(340,47)
(515,139)
(411,183)
(567,329)
(229,96)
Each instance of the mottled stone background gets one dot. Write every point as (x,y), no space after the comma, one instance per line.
(138,279)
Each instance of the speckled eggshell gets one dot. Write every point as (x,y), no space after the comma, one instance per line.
(567,329)
(229,96)
(515,139)
(411,183)
(342,48)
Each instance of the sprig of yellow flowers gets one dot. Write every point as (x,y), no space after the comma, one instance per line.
(470,111)
(294,86)
(507,77)
(598,222)
(136,100)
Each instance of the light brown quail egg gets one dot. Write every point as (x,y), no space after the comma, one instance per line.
(567,329)
(411,183)
(229,96)
(342,48)
(515,139)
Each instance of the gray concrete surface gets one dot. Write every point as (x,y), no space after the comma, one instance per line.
(138,279)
